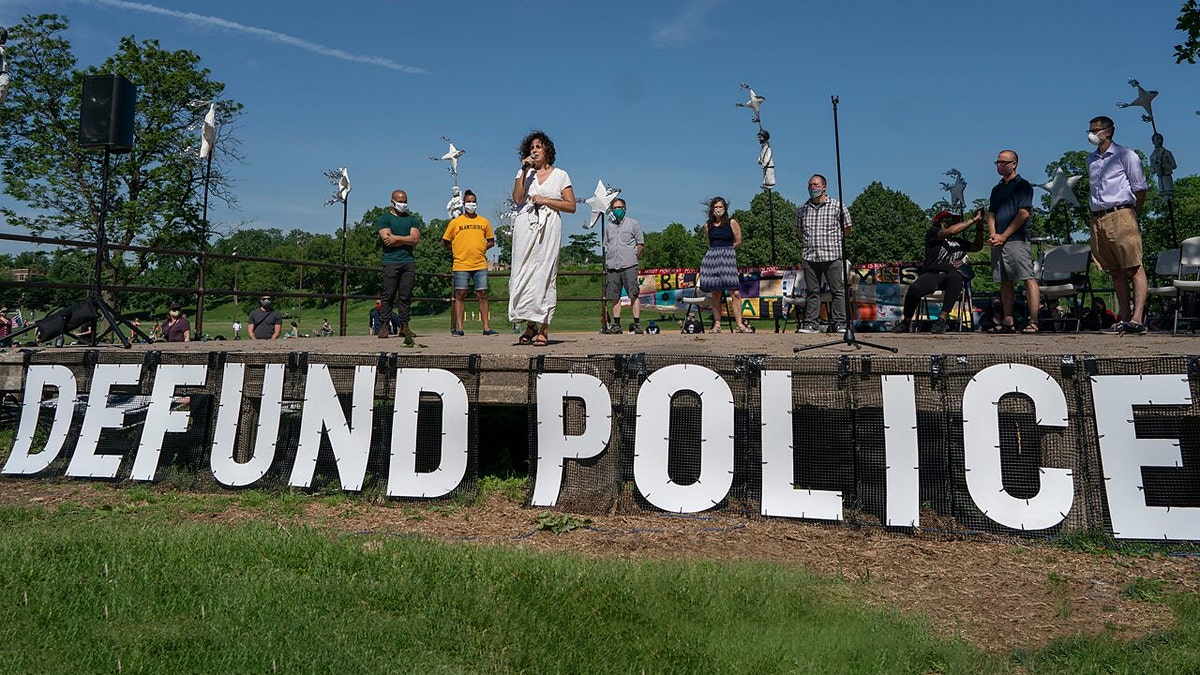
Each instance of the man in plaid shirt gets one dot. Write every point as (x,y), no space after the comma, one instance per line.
(817,223)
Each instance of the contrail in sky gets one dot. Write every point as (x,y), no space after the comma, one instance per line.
(263,33)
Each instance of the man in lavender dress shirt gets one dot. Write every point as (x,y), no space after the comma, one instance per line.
(1118,190)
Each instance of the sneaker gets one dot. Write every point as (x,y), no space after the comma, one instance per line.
(613,329)
(901,327)
(938,327)
(1134,328)
(810,327)
(636,329)
(837,328)
(490,332)
(457,333)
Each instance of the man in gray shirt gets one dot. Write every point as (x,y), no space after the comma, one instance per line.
(623,244)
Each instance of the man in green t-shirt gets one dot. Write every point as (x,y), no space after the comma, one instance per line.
(399,232)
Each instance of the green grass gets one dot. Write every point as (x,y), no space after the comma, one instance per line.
(146,583)
(138,588)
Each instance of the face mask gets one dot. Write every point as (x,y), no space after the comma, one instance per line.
(401,207)
(618,213)
(718,212)
(470,207)
(1094,138)
(813,193)
(174,314)
(264,303)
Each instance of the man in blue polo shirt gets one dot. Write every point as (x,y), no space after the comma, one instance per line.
(1008,213)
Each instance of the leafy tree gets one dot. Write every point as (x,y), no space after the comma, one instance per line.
(1185,205)
(756,232)
(154,191)
(1189,23)
(674,247)
(888,226)
(581,250)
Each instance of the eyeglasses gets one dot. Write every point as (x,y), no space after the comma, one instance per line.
(1005,161)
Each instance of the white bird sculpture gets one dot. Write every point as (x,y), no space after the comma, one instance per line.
(1060,187)
(600,203)
(452,155)
(1143,100)
(754,104)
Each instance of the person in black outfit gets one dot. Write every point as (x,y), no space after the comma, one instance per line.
(945,254)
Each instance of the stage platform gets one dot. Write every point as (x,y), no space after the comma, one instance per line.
(504,364)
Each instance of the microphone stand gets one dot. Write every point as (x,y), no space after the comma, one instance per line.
(848,337)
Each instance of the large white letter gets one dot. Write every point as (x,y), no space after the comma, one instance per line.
(900,448)
(85,462)
(37,378)
(225,467)
(779,497)
(981,441)
(1123,455)
(159,417)
(553,444)
(351,442)
(716,439)
(403,479)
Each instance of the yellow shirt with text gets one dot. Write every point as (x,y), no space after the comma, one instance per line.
(468,242)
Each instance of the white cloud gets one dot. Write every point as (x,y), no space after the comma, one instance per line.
(687,26)
(264,33)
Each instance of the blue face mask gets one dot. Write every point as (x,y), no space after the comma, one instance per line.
(814,193)
(618,213)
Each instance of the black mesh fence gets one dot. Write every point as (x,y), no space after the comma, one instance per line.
(257,419)
(839,436)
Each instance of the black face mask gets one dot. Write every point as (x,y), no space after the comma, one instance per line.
(265,304)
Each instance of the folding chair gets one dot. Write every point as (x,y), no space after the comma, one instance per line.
(1166,267)
(700,300)
(1064,274)
(1189,264)
(964,308)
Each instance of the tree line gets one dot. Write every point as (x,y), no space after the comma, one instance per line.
(155,195)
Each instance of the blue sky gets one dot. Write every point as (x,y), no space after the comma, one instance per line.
(641,94)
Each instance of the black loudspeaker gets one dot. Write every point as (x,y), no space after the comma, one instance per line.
(106,113)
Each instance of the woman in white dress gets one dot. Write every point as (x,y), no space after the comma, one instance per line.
(542,192)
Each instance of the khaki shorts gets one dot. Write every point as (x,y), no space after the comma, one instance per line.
(1116,240)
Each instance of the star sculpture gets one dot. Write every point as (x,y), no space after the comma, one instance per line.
(452,155)
(600,202)
(1061,187)
(754,104)
(1143,100)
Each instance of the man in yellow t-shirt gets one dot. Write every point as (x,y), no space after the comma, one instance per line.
(469,236)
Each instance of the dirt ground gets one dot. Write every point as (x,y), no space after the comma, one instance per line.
(996,594)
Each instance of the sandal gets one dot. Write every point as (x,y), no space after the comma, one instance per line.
(1031,329)
(1004,328)
(526,337)
(540,340)
(715,329)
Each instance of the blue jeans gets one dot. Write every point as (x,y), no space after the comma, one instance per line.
(477,277)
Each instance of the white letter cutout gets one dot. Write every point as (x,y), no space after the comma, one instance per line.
(1123,454)
(37,378)
(716,439)
(351,442)
(779,497)
(981,441)
(554,446)
(85,463)
(225,467)
(159,417)
(903,477)
(403,478)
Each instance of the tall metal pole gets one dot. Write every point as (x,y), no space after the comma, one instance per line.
(771,212)
(203,248)
(101,237)
(345,270)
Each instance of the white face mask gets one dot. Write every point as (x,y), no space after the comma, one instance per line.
(718,212)
(400,207)
(470,207)
(1094,138)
